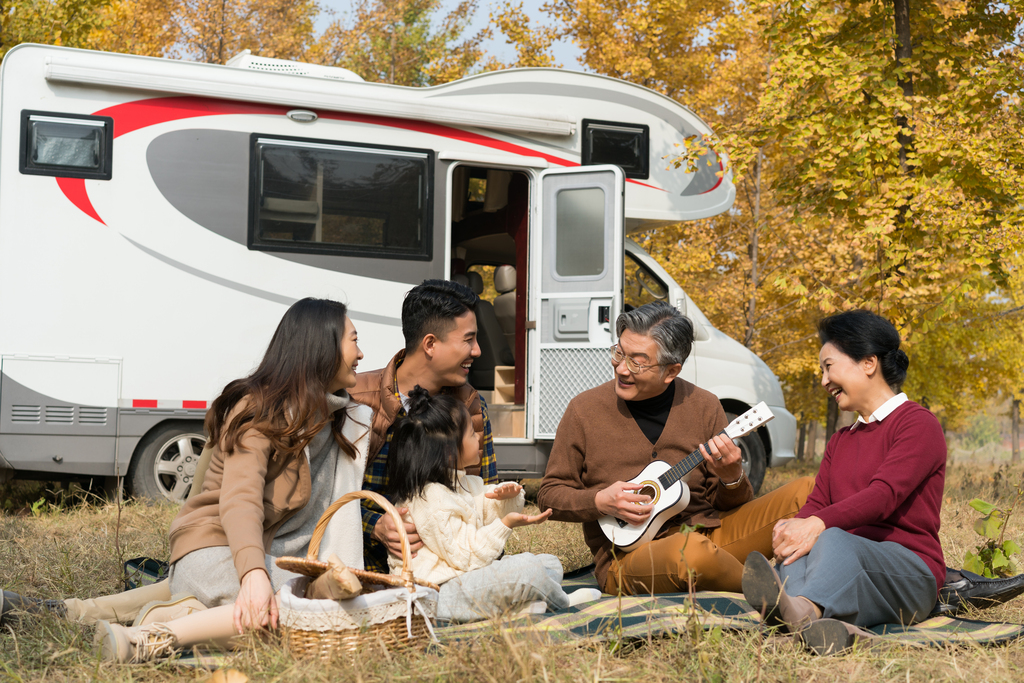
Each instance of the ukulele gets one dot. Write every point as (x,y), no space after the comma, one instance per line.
(668,492)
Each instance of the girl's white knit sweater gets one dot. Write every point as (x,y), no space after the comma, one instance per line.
(461,530)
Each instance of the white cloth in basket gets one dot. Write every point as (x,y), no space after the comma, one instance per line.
(366,610)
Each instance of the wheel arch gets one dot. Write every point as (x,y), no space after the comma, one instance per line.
(162,424)
(732,405)
(187,423)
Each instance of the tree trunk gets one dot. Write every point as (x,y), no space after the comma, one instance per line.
(904,51)
(748,338)
(394,47)
(802,443)
(1015,432)
(831,418)
(812,442)
(223,31)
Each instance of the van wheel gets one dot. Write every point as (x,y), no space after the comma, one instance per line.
(165,461)
(754,458)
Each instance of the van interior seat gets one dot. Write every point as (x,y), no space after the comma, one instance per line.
(494,349)
(505,302)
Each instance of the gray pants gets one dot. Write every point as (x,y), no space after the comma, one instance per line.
(502,585)
(862,582)
(210,575)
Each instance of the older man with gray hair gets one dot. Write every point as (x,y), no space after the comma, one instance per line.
(610,433)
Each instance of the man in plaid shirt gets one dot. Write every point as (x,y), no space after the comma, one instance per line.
(440,346)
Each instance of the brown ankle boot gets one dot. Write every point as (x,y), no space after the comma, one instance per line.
(832,637)
(763,590)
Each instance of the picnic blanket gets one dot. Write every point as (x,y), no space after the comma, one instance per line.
(641,617)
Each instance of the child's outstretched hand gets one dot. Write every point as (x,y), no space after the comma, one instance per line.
(506,491)
(514,519)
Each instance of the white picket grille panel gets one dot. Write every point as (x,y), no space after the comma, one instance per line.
(564,373)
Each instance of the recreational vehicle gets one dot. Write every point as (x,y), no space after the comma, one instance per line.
(158,216)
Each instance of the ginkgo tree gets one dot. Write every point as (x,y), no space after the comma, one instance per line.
(876,151)
(396,41)
(913,152)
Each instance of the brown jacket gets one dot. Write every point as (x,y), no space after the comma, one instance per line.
(245,498)
(599,443)
(376,389)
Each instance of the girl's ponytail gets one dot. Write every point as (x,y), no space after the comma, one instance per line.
(419,401)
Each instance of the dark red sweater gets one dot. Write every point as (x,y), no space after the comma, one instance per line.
(884,480)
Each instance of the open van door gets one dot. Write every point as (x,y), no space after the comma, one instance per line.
(576,252)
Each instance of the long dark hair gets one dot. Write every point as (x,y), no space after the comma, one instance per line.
(861,334)
(425,446)
(286,396)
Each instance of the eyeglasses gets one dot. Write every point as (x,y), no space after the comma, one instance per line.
(618,356)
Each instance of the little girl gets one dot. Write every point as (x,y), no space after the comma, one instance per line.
(462,523)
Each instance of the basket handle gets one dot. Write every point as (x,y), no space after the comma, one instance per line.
(389,509)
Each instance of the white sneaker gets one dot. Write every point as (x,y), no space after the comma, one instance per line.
(583,596)
(133,644)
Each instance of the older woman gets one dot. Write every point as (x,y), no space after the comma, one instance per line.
(864,549)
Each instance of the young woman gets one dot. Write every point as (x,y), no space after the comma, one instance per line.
(288,442)
(462,523)
(864,549)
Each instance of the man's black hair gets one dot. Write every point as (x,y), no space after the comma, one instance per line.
(431,308)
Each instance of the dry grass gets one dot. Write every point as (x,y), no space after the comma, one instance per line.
(74,552)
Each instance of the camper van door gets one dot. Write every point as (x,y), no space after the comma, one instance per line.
(576,252)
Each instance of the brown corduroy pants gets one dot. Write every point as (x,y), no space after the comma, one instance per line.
(715,556)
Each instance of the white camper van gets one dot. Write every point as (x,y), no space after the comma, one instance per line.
(158,216)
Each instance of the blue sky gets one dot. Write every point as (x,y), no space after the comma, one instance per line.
(565,53)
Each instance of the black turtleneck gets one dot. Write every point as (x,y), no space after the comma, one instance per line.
(651,414)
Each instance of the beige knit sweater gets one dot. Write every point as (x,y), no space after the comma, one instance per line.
(461,530)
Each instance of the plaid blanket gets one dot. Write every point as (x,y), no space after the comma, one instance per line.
(626,618)
(642,617)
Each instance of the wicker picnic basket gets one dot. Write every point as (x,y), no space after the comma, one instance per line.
(396,618)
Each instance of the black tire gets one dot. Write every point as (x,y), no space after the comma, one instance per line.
(165,461)
(754,458)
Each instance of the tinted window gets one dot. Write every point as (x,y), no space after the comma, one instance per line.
(641,285)
(66,145)
(579,236)
(622,144)
(319,197)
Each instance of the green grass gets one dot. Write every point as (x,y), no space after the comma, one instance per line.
(75,549)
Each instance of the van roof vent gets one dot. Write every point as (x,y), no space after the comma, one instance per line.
(246,60)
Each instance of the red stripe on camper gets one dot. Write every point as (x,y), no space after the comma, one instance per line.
(443,131)
(167,405)
(132,116)
(74,189)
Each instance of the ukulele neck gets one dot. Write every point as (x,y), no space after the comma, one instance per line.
(682,468)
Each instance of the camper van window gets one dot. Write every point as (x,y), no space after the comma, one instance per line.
(625,145)
(642,286)
(579,233)
(318,197)
(66,145)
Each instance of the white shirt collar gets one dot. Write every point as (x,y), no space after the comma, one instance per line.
(883,411)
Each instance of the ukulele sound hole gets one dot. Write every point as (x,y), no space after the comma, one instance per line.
(649,491)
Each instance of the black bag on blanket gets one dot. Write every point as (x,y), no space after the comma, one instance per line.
(143,571)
